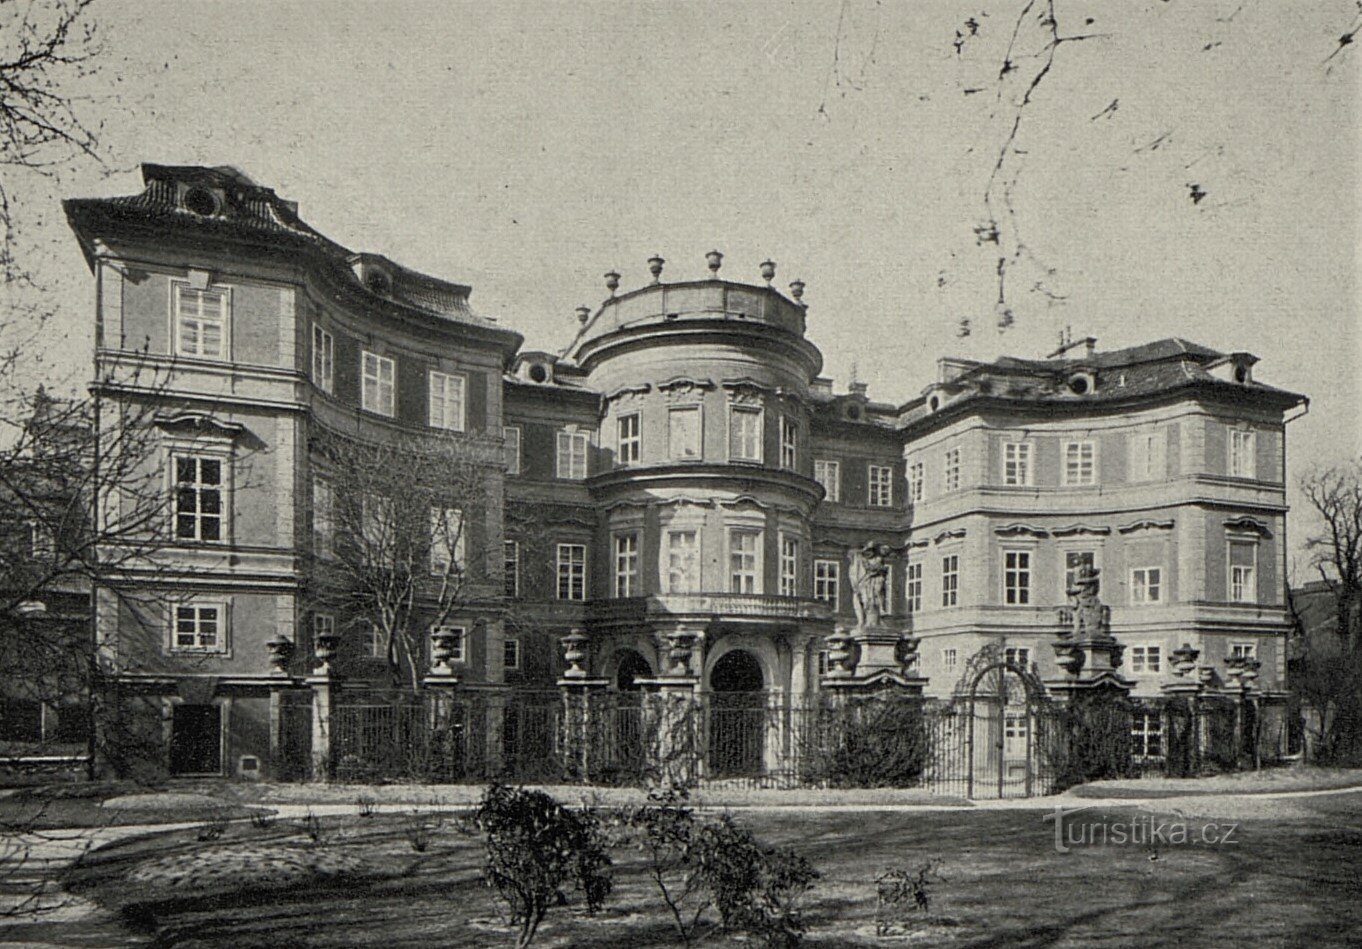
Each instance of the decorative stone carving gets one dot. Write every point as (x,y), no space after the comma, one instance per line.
(1242,671)
(442,641)
(612,282)
(324,646)
(1184,659)
(681,645)
(281,653)
(839,654)
(869,572)
(574,654)
(1086,617)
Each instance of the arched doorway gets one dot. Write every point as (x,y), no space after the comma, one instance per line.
(628,749)
(737,716)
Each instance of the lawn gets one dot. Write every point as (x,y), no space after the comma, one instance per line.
(1265,781)
(1292,881)
(109,804)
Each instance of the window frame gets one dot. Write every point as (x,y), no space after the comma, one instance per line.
(223,515)
(177,319)
(879,483)
(447,380)
(754,574)
(831,580)
(744,438)
(574,580)
(632,441)
(1146,657)
(821,468)
(572,456)
(222,635)
(323,359)
(950,470)
(950,580)
(917,482)
(692,572)
(788,572)
(510,568)
(1248,587)
(323,519)
(1018,577)
(626,564)
(1078,471)
(1243,649)
(458,651)
(789,442)
(950,658)
(1146,463)
(458,553)
(509,646)
(912,586)
(1141,733)
(1018,471)
(511,456)
(1242,446)
(1143,586)
(376,404)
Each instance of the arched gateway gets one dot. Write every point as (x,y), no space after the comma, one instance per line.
(737,716)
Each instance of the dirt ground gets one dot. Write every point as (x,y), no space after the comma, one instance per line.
(1286,876)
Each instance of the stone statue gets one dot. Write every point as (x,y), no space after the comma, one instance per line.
(869,574)
(1088,617)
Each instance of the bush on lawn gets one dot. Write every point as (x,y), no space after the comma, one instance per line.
(536,849)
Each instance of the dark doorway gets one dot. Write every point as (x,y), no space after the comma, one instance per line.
(632,667)
(737,716)
(196,740)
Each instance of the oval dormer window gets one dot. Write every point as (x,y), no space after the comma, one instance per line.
(200,201)
(539,372)
(1241,374)
(854,412)
(933,403)
(377,281)
(1080,384)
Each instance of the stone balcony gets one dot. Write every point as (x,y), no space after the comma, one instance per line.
(707,608)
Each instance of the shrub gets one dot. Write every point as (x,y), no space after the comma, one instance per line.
(899,891)
(418,831)
(756,889)
(262,821)
(664,831)
(312,826)
(367,805)
(536,848)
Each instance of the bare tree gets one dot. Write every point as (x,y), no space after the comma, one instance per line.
(1330,680)
(398,562)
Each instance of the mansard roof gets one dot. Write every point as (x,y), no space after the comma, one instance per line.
(235,208)
(1108,379)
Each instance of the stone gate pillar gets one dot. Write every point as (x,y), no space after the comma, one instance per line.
(325,684)
(672,711)
(580,712)
(281,683)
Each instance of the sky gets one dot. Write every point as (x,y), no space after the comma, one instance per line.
(527,148)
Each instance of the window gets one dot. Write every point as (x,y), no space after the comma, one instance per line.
(683,561)
(744,433)
(789,566)
(1146,585)
(198,498)
(201,322)
(446,542)
(1016,463)
(378,385)
(511,448)
(913,586)
(626,564)
(744,561)
(1016,577)
(1242,461)
(915,482)
(511,567)
(200,627)
(323,523)
(42,542)
(572,455)
(323,359)
(1146,658)
(683,433)
(827,576)
(510,654)
(377,530)
(630,439)
(572,571)
(1146,734)
(822,662)
(829,475)
(458,642)
(880,486)
(1015,734)
(789,442)
(950,477)
(373,645)
(447,401)
(950,580)
(1080,463)
(1148,456)
(1243,556)
(1074,561)
(323,624)
(950,658)
(1019,656)
(1243,650)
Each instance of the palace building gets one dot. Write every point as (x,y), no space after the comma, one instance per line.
(680,484)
